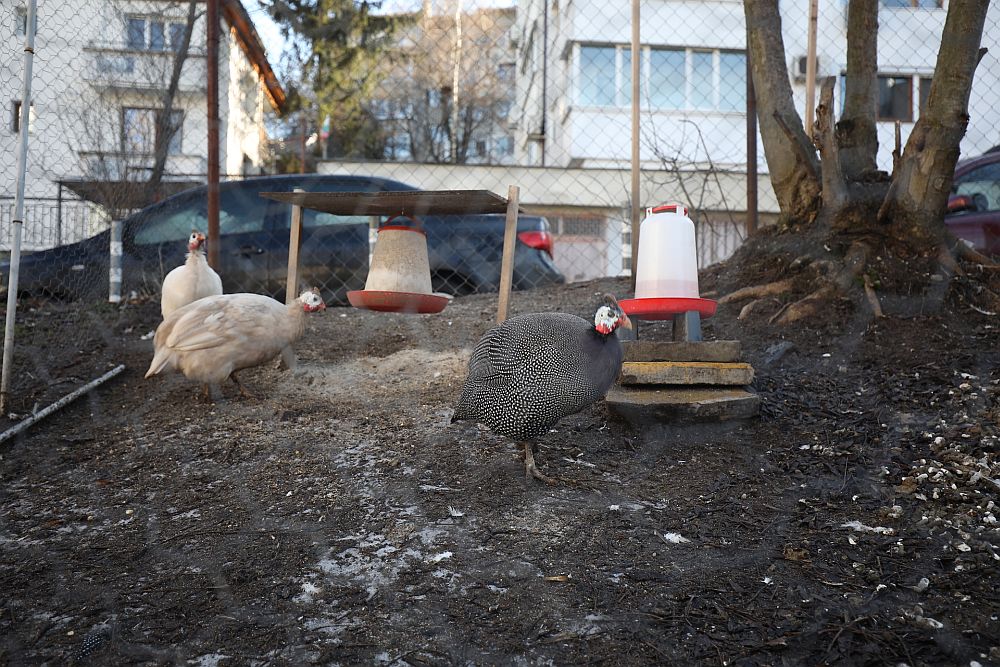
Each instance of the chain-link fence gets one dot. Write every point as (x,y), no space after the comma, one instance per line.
(461,96)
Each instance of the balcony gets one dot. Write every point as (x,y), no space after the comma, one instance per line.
(118,67)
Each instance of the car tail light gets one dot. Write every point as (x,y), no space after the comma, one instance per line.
(537,240)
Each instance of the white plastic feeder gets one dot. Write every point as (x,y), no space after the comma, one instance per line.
(666,278)
(399,278)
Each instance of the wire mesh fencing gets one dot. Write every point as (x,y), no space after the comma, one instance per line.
(466,95)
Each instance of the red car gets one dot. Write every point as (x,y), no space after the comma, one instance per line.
(974,205)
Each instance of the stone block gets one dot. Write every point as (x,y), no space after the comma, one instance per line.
(682,404)
(685,373)
(655,350)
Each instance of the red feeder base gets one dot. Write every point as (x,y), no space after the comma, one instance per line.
(665,308)
(397,302)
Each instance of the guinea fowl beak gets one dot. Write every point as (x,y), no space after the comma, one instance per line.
(625,321)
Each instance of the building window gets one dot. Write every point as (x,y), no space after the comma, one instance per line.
(597,76)
(673,79)
(177,31)
(702,86)
(732,81)
(667,78)
(15,117)
(157,36)
(150,34)
(895,98)
(925,92)
(135,33)
(139,131)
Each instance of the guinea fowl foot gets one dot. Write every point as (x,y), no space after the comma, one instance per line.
(531,471)
(243,390)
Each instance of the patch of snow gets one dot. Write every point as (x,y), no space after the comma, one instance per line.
(208,660)
(859,527)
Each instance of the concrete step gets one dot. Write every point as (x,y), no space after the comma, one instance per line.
(682,404)
(685,373)
(655,350)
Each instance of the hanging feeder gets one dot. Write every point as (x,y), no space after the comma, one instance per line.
(666,279)
(399,279)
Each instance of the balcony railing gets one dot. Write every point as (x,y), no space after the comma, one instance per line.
(117,66)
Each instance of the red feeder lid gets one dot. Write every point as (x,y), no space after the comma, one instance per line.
(670,208)
(395,223)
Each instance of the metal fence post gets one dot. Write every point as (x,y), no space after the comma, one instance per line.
(18,222)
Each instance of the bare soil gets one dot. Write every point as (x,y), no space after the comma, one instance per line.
(340,519)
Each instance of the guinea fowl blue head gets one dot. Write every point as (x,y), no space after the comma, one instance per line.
(610,316)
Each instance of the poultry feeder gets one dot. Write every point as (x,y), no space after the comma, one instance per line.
(399,279)
(666,280)
(684,379)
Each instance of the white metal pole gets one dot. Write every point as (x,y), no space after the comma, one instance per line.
(62,402)
(18,221)
(115,263)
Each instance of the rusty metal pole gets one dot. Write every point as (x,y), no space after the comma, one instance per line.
(212,29)
(636,203)
(751,220)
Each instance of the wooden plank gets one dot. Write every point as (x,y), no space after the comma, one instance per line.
(685,373)
(655,350)
(412,203)
(507,262)
(294,245)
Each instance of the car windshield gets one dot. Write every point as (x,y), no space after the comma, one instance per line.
(983,184)
(239,212)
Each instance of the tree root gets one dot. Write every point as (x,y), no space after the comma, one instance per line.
(873,298)
(962,251)
(806,306)
(758,291)
(750,308)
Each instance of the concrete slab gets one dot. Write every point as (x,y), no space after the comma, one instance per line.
(685,373)
(655,350)
(682,404)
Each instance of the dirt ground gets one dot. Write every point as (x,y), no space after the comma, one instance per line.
(340,519)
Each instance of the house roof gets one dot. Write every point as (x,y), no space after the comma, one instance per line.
(237,17)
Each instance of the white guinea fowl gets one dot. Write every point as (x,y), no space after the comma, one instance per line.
(192,280)
(211,339)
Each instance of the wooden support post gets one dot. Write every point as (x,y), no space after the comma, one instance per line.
(294,244)
(507,262)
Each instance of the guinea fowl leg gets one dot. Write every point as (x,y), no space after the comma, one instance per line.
(246,394)
(530,470)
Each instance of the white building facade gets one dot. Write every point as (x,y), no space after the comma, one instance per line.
(693,78)
(101,69)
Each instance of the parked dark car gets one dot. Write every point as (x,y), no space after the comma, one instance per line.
(974,206)
(464,251)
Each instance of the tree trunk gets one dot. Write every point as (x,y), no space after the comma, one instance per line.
(856,135)
(165,129)
(790,155)
(918,195)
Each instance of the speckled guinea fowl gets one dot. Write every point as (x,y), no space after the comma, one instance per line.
(532,370)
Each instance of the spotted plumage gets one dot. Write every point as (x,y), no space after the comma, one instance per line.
(532,370)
